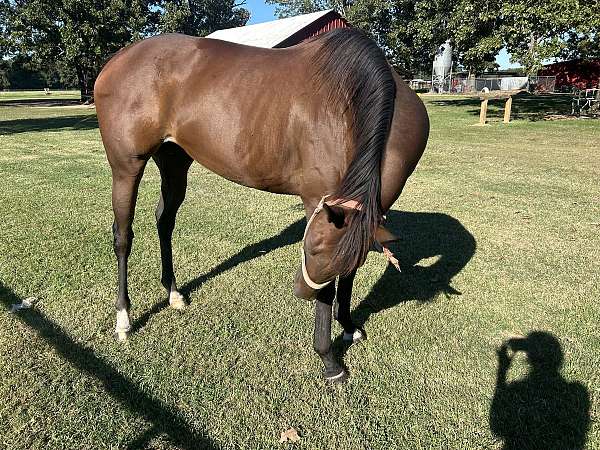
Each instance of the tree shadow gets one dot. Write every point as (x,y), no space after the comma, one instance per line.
(61,123)
(542,410)
(525,106)
(290,235)
(433,248)
(42,102)
(118,386)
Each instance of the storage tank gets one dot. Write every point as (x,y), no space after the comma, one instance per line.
(442,68)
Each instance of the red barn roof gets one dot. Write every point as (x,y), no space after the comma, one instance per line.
(283,32)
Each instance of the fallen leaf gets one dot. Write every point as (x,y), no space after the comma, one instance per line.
(25,304)
(289,435)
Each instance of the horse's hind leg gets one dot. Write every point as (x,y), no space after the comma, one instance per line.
(126,180)
(173,164)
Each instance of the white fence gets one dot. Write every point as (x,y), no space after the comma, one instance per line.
(472,85)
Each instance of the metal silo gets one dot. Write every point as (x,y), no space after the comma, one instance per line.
(441,74)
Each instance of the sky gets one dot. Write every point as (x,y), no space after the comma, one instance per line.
(261,12)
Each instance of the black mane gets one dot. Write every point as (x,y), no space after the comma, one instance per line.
(357,75)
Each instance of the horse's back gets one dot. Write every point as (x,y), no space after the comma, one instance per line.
(227,105)
(171,58)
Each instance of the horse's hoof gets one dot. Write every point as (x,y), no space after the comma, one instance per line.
(121,336)
(177,301)
(339,378)
(122,326)
(356,337)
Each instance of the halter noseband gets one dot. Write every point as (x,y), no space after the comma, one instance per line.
(348,203)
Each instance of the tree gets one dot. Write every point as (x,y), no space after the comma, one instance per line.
(289,8)
(412,31)
(4,44)
(202,17)
(583,41)
(391,24)
(474,30)
(78,34)
(536,31)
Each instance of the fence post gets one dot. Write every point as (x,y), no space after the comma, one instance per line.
(507,109)
(483,112)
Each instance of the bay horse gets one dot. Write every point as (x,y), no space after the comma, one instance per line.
(328,120)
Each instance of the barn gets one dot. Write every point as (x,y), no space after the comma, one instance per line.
(283,32)
(577,73)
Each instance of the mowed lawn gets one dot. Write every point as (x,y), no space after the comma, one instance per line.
(499,228)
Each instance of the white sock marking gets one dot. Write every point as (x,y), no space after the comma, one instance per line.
(176,300)
(123,325)
(354,337)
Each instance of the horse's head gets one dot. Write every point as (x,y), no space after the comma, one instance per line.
(323,254)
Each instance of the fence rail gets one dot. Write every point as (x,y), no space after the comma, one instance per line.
(473,85)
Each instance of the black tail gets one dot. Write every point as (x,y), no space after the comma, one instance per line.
(357,74)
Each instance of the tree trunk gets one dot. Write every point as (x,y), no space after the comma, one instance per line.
(85,80)
(81,83)
(90,79)
(531,68)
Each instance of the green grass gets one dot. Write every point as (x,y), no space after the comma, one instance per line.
(38,95)
(500,237)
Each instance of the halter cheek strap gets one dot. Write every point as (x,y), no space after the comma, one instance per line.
(307,279)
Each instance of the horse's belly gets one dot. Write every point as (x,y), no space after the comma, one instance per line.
(252,169)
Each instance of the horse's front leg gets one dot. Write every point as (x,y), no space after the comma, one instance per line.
(352,333)
(334,372)
(126,180)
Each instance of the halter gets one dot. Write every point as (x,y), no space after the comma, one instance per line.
(353,204)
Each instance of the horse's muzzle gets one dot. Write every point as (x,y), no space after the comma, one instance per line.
(301,289)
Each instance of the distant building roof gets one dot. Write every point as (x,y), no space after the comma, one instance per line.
(271,34)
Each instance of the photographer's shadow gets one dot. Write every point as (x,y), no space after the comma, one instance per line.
(542,410)
(432,249)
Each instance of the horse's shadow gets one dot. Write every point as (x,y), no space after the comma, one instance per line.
(433,248)
(423,235)
(290,235)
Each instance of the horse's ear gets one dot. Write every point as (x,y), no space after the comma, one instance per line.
(384,236)
(335,215)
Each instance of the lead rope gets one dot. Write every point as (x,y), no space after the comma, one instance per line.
(391,258)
